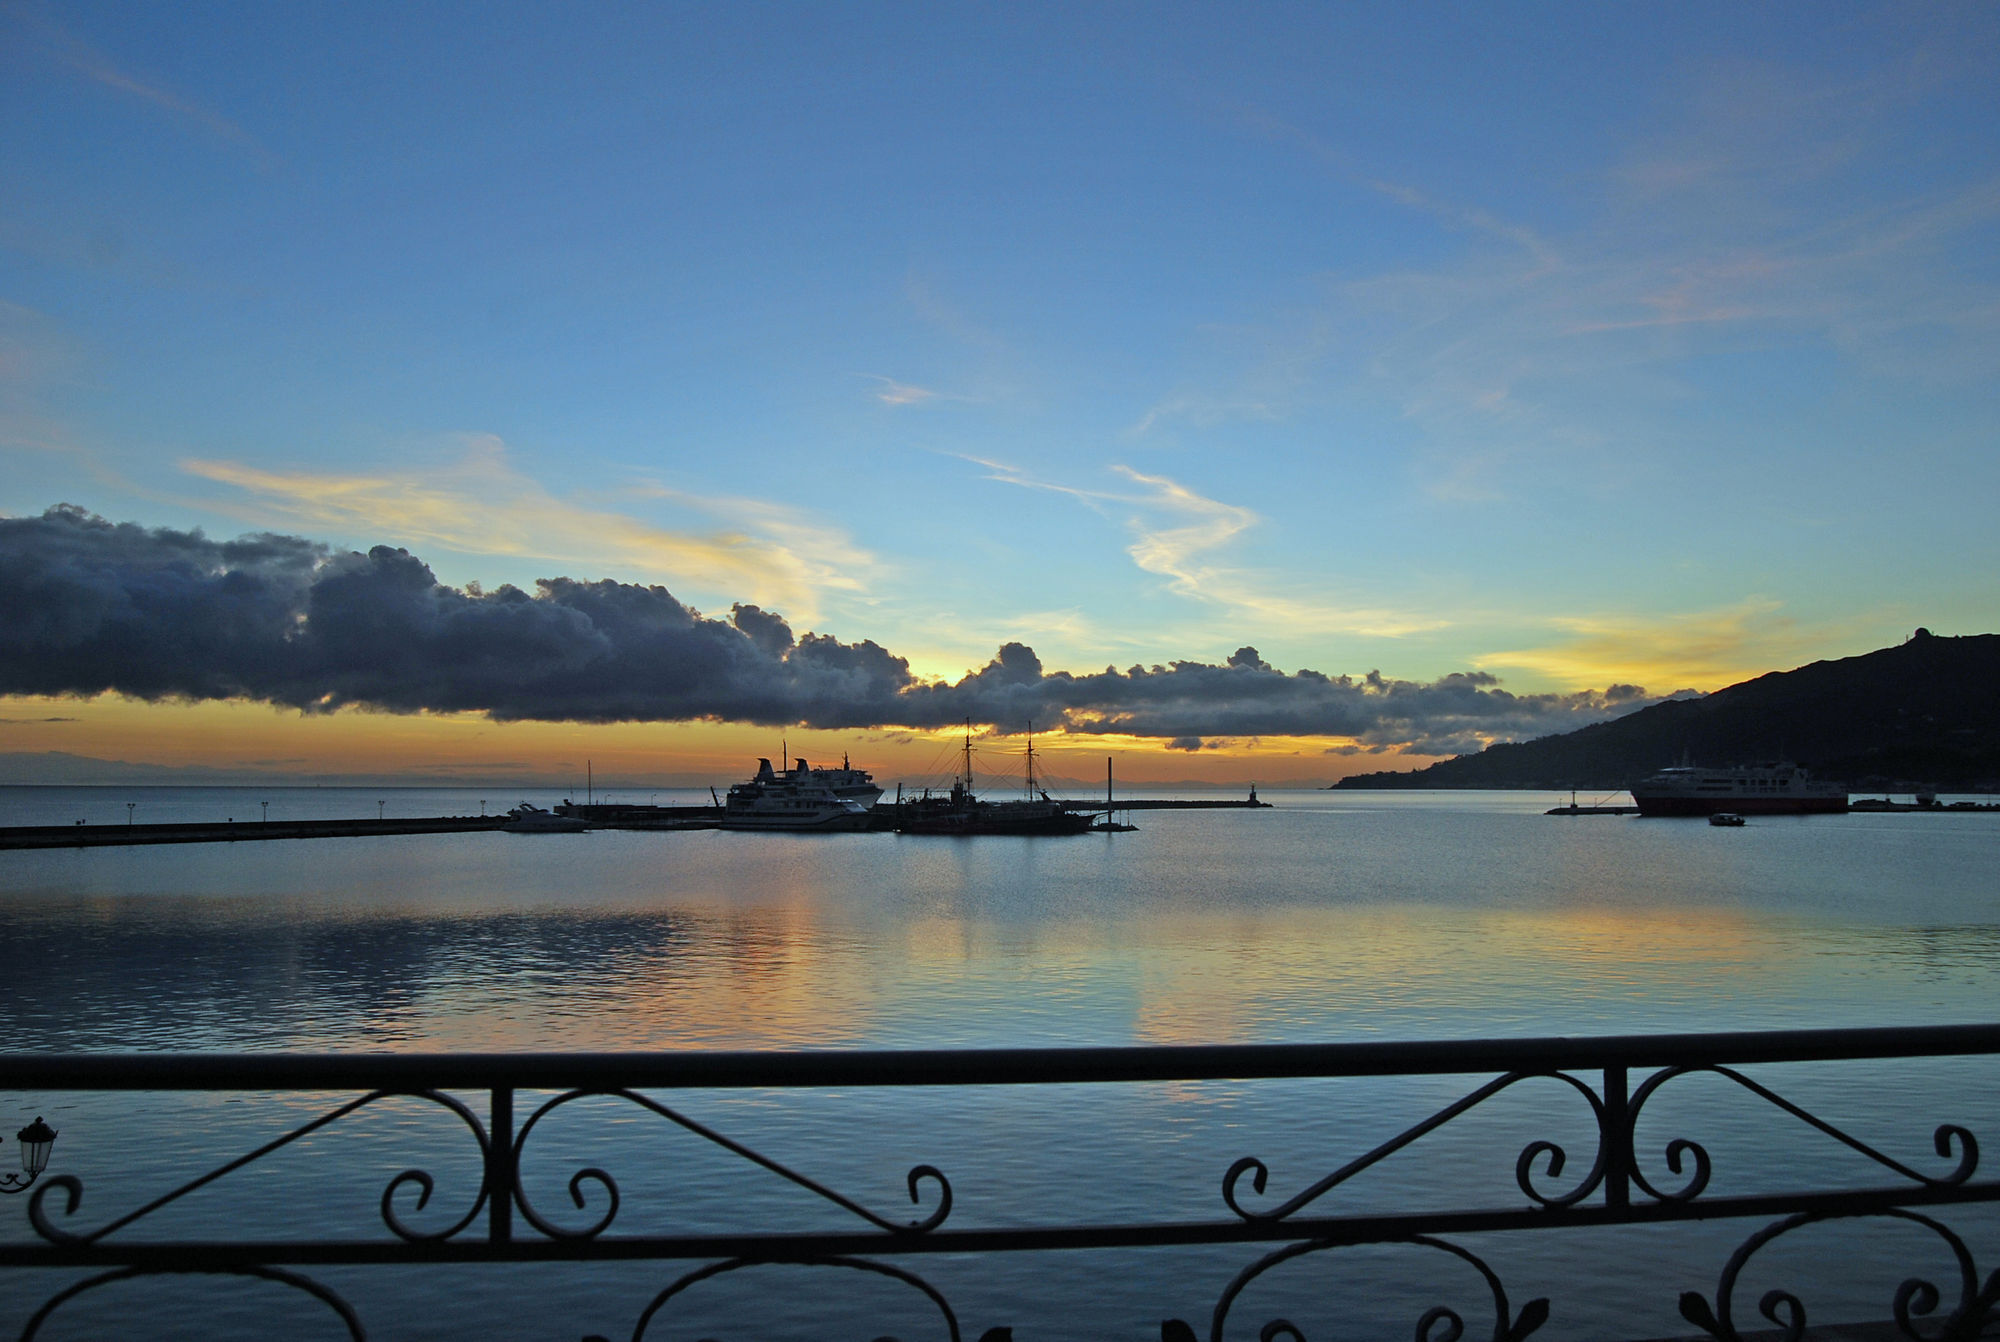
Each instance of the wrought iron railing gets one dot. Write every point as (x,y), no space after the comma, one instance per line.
(503,1101)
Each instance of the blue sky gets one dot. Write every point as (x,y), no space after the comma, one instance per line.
(1570,344)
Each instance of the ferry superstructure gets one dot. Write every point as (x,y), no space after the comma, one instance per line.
(801,798)
(1745,789)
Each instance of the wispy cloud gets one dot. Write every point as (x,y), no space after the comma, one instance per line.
(1181,529)
(481,504)
(1184,536)
(86,59)
(36,357)
(891,392)
(1772,210)
(1346,166)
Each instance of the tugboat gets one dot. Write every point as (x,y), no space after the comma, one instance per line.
(963,813)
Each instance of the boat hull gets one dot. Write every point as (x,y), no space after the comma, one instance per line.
(833,822)
(1697,806)
(998,818)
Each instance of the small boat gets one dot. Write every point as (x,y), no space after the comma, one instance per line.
(531,819)
(1726,819)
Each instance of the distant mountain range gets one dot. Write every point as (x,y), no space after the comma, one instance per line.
(1925,714)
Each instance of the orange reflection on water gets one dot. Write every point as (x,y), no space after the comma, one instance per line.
(1368,972)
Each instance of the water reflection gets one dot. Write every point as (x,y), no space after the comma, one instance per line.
(1325,919)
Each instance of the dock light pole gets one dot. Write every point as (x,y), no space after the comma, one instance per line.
(378,809)
(267,811)
(128,813)
(36,1139)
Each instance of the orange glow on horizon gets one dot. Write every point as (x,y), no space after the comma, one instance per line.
(258,739)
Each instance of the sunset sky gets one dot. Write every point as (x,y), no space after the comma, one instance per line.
(1545,360)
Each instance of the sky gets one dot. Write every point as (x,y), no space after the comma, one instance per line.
(1245,391)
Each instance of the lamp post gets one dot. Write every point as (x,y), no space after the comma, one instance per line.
(267,811)
(35,1139)
(128,813)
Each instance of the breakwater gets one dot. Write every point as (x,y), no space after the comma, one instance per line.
(603,816)
(233,831)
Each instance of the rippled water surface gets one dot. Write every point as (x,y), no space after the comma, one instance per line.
(1330,916)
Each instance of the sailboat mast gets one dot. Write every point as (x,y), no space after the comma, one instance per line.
(1031,759)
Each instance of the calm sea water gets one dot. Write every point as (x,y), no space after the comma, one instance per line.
(1331,916)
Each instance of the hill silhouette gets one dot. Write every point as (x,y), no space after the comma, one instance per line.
(1923,714)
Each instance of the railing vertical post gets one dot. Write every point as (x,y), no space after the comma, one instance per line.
(500,1167)
(1617,1140)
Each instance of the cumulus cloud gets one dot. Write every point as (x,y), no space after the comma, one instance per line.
(88,606)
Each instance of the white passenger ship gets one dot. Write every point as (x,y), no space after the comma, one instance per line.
(801,798)
(1746,789)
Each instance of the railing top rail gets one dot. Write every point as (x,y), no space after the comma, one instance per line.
(930,1067)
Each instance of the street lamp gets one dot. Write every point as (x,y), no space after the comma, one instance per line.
(35,1139)
(267,811)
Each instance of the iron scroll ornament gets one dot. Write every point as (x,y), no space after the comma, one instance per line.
(591,1174)
(1439,1323)
(1524,1165)
(306,1285)
(904,1275)
(1914,1297)
(72,1187)
(1946,1136)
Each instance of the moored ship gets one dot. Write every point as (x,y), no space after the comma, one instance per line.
(801,798)
(1746,789)
(960,812)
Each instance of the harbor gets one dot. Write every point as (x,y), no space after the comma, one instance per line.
(884,817)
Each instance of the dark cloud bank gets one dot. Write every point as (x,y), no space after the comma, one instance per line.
(87,606)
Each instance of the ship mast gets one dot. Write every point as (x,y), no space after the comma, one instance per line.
(1031,759)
